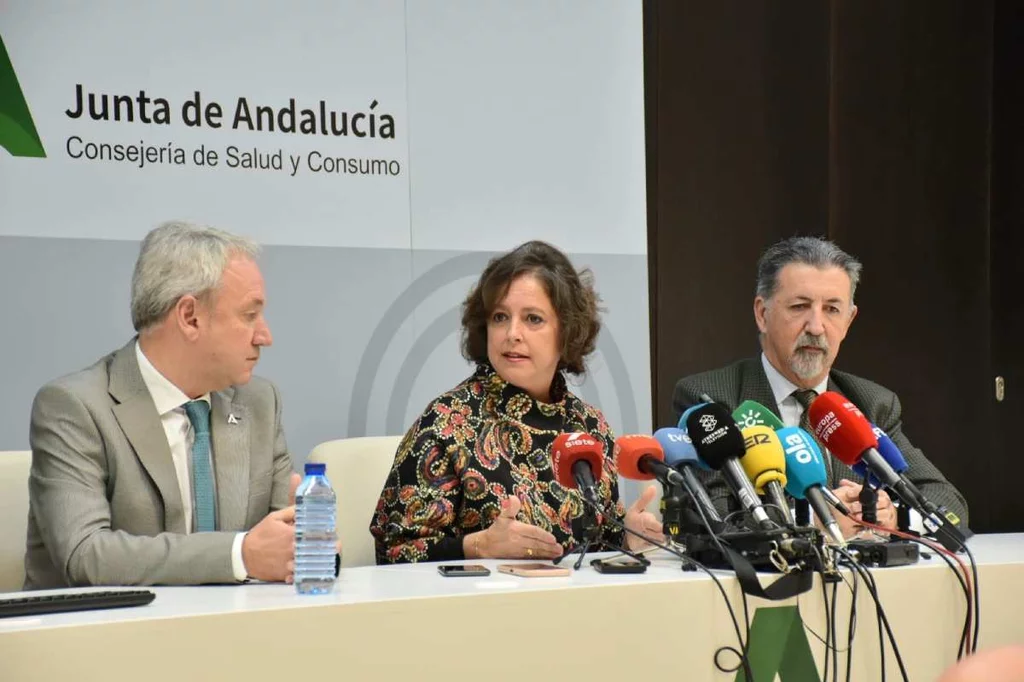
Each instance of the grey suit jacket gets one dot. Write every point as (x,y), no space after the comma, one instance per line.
(104,503)
(746,380)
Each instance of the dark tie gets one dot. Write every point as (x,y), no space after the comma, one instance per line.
(805,397)
(198,412)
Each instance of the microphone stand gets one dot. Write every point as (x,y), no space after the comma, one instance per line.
(592,536)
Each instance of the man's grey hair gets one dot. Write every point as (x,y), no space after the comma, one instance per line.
(814,251)
(179,259)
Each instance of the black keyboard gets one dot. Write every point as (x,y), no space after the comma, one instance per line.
(75,601)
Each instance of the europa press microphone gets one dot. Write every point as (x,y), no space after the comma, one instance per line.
(807,479)
(765,466)
(718,442)
(680,455)
(842,427)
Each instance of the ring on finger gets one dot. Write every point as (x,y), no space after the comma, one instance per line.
(529,552)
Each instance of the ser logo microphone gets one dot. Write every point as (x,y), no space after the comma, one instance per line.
(756,439)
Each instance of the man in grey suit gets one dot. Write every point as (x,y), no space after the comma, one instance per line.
(803,309)
(165,461)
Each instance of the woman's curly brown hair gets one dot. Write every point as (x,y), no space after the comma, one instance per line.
(572,295)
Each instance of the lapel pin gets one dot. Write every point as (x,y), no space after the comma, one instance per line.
(232,419)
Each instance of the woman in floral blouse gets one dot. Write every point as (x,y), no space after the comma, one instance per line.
(473,477)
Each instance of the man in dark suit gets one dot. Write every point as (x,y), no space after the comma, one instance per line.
(803,309)
(165,461)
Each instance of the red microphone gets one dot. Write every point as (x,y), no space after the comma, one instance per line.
(637,456)
(842,428)
(578,462)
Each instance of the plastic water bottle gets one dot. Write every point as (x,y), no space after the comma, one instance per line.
(315,534)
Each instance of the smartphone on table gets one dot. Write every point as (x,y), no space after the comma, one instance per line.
(619,565)
(463,570)
(534,570)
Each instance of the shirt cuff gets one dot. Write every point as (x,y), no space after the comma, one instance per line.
(237,564)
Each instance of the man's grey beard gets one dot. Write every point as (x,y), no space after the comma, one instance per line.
(808,365)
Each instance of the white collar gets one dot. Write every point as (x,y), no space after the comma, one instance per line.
(782,387)
(166,396)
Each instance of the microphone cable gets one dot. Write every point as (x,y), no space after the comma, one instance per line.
(967,584)
(741,653)
(869,582)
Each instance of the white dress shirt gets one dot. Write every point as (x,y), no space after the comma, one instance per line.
(169,401)
(782,388)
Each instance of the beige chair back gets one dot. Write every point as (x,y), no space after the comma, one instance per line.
(357,469)
(14,468)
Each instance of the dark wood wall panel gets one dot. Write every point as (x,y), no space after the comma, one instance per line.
(1007,257)
(740,135)
(911,97)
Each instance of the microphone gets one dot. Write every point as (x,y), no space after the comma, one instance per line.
(889,452)
(751,413)
(682,426)
(894,458)
(847,433)
(680,455)
(640,458)
(576,457)
(686,415)
(807,479)
(765,466)
(718,441)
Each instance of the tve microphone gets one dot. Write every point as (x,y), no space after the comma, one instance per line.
(807,479)
(718,441)
(640,458)
(680,455)
(578,462)
(751,413)
(765,466)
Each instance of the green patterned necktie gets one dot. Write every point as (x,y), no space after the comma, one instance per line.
(205,511)
(805,397)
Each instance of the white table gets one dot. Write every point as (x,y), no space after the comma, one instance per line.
(393,622)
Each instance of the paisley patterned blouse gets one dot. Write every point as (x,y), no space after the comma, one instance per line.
(475,445)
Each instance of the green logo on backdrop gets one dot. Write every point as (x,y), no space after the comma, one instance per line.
(17,131)
(778,646)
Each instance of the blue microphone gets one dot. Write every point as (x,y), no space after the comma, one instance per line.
(806,478)
(682,427)
(681,456)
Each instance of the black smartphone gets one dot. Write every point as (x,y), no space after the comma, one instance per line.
(624,565)
(463,570)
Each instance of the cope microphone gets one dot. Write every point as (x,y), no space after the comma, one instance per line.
(578,462)
(718,442)
(765,466)
(843,428)
(680,455)
(751,413)
(807,479)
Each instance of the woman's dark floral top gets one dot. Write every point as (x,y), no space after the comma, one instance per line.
(475,445)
